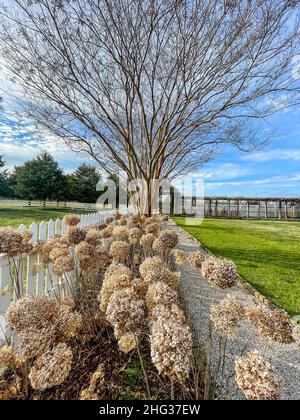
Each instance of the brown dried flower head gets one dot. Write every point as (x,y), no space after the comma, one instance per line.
(168,238)
(63,265)
(10,359)
(107,232)
(109,220)
(150,263)
(179,256)
(158,246)
(93,237)
(119,250)
(147,240)
(75,235)
(134,235)
(125,311)
(117,276)
(71,220)
(120,233)
(171,342)
(220,273)
(197,258)
(226,315)
(256,378)
(160,293)
(12,242)
(153,228)
(272,324)
(52,368)
(127,342)
(97,383)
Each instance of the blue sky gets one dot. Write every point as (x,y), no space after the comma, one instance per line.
(273,171)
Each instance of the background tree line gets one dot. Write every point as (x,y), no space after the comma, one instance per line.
(41,178)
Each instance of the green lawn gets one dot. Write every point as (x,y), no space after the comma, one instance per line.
(267,254)
(13,216)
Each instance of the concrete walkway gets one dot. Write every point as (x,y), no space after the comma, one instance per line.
(198,296)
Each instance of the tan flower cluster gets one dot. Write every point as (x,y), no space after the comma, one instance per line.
(164,218)
(134,235)
(197,258)
(220,273)
(75,235)
(153,228)
(52,368)
(226,315)
(127,342)
(272,324)
(160,294)
(134,220)
(97,382)
(41,322)
(120,233)
(171,342)
(93,237)
(10,359)
(158,246)
(168,238)
(149,264)
(122,221)
(14,242)
(179,256)
(256,378)
(107,232)
(109,220)
(62,265)
(125,311)
(119,250)
(91,258)
(147,240)
(71,220)
(116,276)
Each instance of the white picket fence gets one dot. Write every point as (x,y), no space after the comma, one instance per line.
(21,274)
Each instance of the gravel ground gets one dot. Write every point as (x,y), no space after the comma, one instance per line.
(198,296)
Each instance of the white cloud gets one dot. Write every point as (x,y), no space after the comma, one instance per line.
(275,154)
(274,180)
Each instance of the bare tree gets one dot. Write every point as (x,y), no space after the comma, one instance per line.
(151,87)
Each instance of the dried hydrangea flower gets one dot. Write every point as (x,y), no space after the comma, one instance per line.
(63,265)
(256,378)
(226,315)
(125,311)
(179,256)
(34,341)
(119,250)
(158,246)
(71,220)
(134,235)
(171,342)
(197,258)
(75,235)
(150,263)
(163,274)
(40,311)
(85,248)
(164,218)
(11,242)
(127,342)
(160,293)
(168,238)
(58,252)
(10,359)
(272,324)
(68,324)
(97,383)
(153,228)
(107,232)
(220,273)
(109,220)
(122,221)
(147,240)
(116,276)
(120,233)
(52,368)
(134,220)
(93,237)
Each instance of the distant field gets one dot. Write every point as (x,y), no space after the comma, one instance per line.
(267,254)
(13,216)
